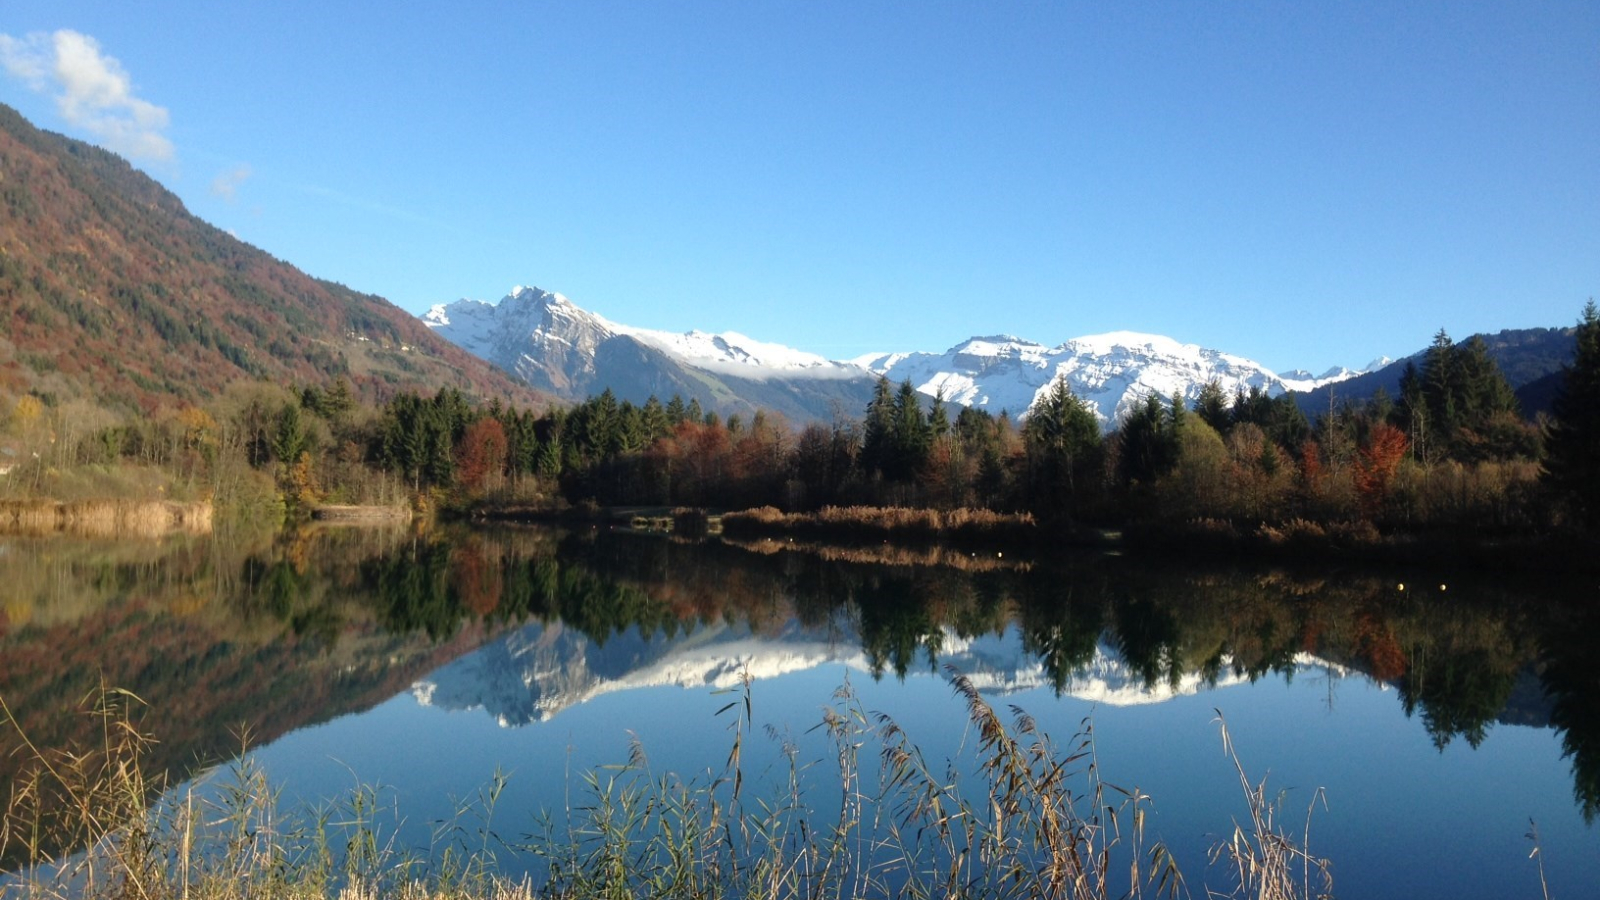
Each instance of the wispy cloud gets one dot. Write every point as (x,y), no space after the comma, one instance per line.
(383,209)
(91,90)
(226,185)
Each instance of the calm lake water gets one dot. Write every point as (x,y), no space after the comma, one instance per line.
(1437,713)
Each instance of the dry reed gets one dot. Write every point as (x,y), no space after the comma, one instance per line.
(1013,817)
(105,518)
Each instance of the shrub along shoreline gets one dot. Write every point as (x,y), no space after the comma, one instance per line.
(1023,536)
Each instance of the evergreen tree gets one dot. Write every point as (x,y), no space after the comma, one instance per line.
(1572,463)
(1062,437)
(677,413)
(1440,388)
(1287,424)
(289,439)
(1148,442)
(1458,404)
(912,437)
(1254,407)
(656,420)
(1212,406)
(340,399)
(938,418)
(1411,413)
(877,430)
(1486,392)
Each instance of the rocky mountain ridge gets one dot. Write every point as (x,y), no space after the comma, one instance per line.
(554,345)
(550,343)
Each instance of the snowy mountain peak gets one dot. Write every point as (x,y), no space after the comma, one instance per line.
(1112,372)
(1112,341)
(527,294)
(553,344)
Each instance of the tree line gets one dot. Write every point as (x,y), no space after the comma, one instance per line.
(1451,449)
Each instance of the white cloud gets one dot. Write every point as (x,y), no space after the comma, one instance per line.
(226,185)
(92,91)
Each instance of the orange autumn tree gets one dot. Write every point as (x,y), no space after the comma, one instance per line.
(481,454)
(1376,464)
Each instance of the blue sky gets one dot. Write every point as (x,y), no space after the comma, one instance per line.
(1302,184)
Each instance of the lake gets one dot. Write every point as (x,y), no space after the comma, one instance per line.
(1435,713)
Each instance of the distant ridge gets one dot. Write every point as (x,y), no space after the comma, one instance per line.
(1112,372)
(1530,358)
(556,346)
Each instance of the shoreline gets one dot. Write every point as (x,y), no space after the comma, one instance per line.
(106,518)
(1297,540)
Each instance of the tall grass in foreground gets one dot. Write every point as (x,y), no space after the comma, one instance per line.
(1014,816)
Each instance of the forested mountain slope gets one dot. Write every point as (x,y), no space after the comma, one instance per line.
(1530,358)
(111,290)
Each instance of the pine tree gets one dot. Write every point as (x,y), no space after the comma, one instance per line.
(1457,403)
(938,418)
(1148,442)
(1572,463)
(676,411)
(657,421)
(289,439)
(912,436)
(1062,437)
(877,430)
(1212,406)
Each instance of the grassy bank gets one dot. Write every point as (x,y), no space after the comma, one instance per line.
(1015,816)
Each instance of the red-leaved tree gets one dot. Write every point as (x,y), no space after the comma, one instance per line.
(1376,464)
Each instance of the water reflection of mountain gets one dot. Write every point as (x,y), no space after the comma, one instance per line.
(300,628)
(533,673)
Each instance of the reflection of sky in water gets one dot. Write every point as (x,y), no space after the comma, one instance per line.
(1403,819)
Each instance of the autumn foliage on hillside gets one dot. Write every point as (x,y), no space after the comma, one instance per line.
(111,290)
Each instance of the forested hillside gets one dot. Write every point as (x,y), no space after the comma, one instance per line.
(111,290)
(1530,358)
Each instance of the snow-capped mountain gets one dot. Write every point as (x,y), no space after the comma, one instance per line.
(1112,372)
(1333,375)
(549,342)
(535,672)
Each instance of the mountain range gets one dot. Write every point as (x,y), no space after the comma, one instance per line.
(556,346)
(111,291)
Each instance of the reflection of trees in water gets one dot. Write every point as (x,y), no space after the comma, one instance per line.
(1061,624)
(1459,693)
(1571,679)
(217,636)
(251,637)
(1454,663)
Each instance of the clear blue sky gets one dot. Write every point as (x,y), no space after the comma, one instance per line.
(1302,184)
